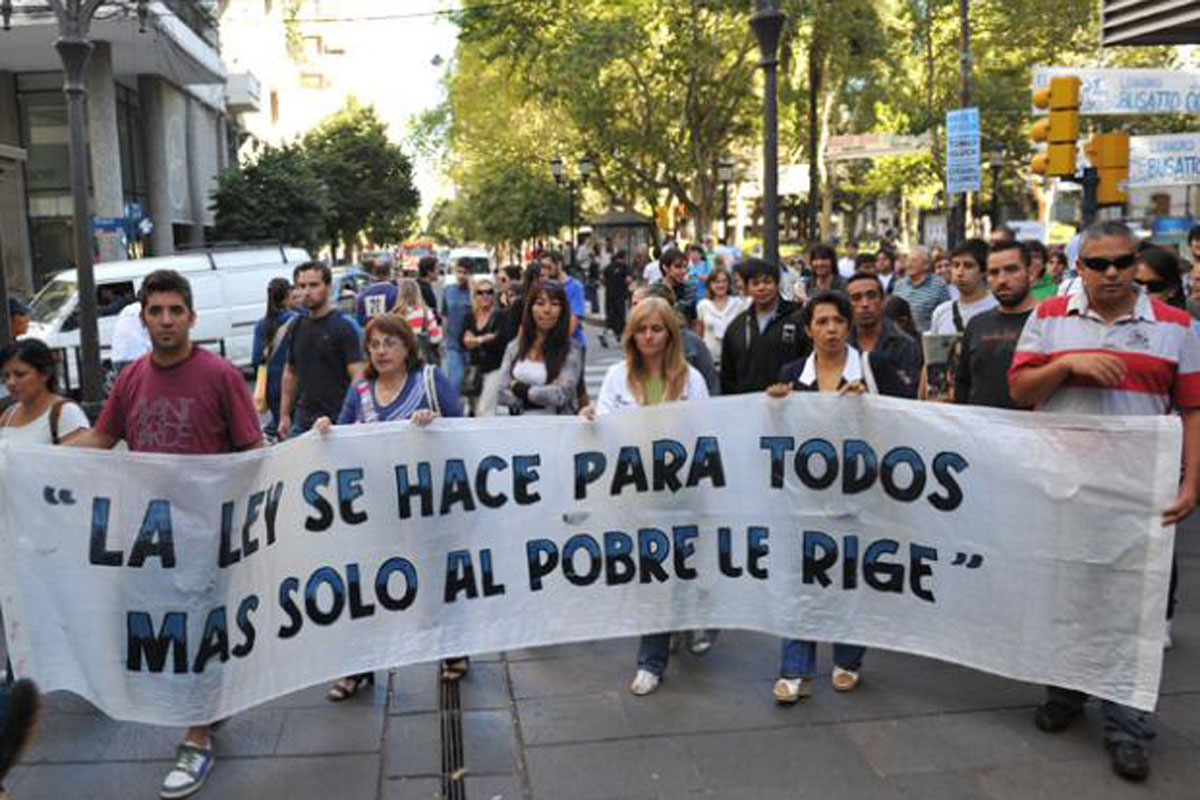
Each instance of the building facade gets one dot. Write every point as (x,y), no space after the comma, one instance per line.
(161,123)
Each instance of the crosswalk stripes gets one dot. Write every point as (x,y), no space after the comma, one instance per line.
(599,359)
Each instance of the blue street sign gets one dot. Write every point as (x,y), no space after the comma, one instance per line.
(964,172)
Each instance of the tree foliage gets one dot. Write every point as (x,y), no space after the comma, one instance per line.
(277,195)
(370,179)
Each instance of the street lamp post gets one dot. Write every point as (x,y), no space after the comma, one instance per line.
(996,162)
(558,170)
(725,176)
(767,22)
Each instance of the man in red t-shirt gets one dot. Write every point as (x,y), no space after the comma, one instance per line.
(182,399)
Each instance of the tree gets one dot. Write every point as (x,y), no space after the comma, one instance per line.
(370,179)
(657,91)
(274,196)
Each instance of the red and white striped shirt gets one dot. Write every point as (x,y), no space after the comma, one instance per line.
(1156,341)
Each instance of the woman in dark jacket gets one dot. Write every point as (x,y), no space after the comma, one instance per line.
(833,366)
(270,347)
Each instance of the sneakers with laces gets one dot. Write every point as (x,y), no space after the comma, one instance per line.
(789,690)
(644,682)
(192,766)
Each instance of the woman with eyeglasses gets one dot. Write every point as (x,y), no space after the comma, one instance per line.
(541,366)
(483,339)
(398,386)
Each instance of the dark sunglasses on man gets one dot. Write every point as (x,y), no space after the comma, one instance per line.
(1154,286)
(1101,264)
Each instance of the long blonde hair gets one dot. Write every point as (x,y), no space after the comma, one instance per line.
(675,367)
(409,297)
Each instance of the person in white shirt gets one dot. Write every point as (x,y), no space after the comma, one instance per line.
(717,310)
(653,372)
(130,339)
(37,415)
(968,271)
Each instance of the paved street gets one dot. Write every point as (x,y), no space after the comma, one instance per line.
(559,723)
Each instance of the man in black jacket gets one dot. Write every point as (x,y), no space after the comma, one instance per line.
(764,337)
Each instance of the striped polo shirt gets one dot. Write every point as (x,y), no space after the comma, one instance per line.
(1156,341)
(923,299)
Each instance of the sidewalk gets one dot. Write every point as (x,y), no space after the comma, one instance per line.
(559,724)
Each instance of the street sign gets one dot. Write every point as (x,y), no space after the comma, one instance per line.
(875,145)
(1169,160)
(1129,91)
(964,172)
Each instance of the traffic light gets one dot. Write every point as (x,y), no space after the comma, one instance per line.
(1109,154)
(1059,129)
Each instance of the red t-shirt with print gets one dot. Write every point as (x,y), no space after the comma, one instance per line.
(196,407)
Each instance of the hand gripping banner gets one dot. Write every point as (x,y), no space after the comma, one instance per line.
(180,590)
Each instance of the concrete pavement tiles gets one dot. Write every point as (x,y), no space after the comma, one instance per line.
(558,723)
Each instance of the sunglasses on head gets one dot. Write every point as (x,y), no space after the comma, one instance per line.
(1100,264)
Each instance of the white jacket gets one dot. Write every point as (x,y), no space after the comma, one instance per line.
(615,394)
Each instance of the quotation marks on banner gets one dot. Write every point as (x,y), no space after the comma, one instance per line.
(961,560)
(58,496)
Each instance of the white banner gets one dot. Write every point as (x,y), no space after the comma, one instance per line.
(1128,91)
(179,590)
(1168,160)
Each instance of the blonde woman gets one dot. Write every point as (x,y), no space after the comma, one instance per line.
(424,322)
(654,371)
(484,343)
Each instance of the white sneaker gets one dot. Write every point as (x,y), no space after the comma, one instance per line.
(790,690)
(644,682)
(192,766)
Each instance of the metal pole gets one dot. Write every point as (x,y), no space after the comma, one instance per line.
(964,101)
(1091,181)
(995,196)
(571,214)
(767,22)
(5,322)
(74,49)
(725,212)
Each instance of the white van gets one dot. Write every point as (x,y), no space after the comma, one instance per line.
(479,260)
(229,292)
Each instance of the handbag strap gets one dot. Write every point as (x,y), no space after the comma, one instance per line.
(431,389)
(869,374)
(366,403)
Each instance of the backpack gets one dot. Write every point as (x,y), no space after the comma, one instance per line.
(55,416)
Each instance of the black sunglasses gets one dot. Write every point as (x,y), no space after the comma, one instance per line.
(1154,287)
(1098,264)
(484,291)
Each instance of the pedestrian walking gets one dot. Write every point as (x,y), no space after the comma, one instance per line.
(541,368)
(923,290)
(396,385)
(269,352)
(410,304)
(179,399)
(380,295)
(833,366)
(616,297)
(456,307)
(654,371)
(324,355)
(1112,349)
(36,414)
(764,337)
(483,339)
(719,308)
(822,259)
(552,269)
(874,332)
(695,352)
(968,271)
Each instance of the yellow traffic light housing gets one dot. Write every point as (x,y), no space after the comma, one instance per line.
(1060,129)
(1109,154)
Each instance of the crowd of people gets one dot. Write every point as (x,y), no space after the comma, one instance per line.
(1104,329)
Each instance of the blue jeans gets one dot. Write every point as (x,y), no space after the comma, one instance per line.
(799,658)
(654,652)
(456,365)
(1121,723)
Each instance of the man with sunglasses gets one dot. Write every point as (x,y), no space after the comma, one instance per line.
(1111,349)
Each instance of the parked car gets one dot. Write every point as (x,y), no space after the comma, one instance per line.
(347,283)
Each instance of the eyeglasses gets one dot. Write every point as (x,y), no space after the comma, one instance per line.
(485,291)
(386,343)
(1154,287)
(1099,264)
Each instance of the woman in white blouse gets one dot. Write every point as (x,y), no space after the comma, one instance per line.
(717,310)
(37,415)
(654,371)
